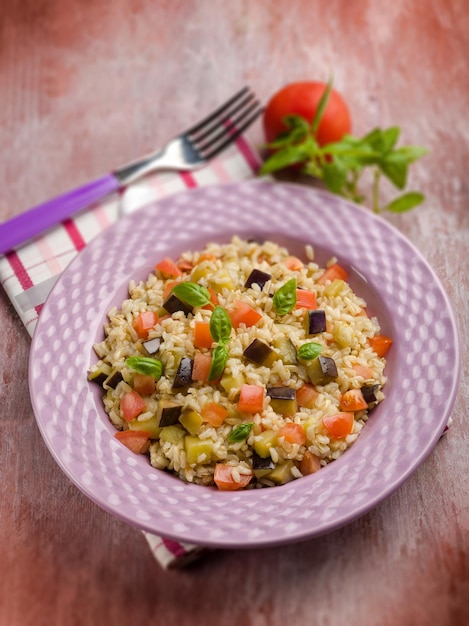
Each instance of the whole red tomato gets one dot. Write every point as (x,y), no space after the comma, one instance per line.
(302,99)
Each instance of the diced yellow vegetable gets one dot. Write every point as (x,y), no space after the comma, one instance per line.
(232,383)
(151,425)
(335,288)
(100,373)
(173,434)
(343,334)
(284,407)
(265,441)
(321,370)
(261,473)
(281,474)
(220,280)
(201,270)
(191,420)
(285,349)
(197,450)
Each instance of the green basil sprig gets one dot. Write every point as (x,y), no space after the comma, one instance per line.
(220,325)
(192,294)
(241,432)
(220,356)
(146,365)
(220,329)
(284,299)
(310,350)
(340,164)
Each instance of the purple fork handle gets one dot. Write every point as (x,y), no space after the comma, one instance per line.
(26,225)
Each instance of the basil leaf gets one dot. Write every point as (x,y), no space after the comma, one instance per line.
(284,157)
(335,176)
(192,294)
(284,298)
(389,138)
(146,365)
(219,358)
(394,167)
(405,202)
(382,141)
(309,351)
(241,432)
(220,325)
(411,153)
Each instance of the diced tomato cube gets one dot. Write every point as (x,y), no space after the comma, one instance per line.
(168,267)
(225,481)
(251,399)
(332,273)
(243,313)
(380,344)
(135,440)
(132,404)
(201,368)
(293,433)
(339,425)
(214,414)
(202,336)
(305,299)
(144,322)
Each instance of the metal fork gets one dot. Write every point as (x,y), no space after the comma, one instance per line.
(188,151)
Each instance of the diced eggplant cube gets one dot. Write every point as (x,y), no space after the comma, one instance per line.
(99,378)
(282,400)
(184,373)
(113,380)
(282,473)
(172,304)
(321,370)
(369,393)
(315,322)
(281,393)
(152,345)
(260,353)
(100,374)
(257,277)
(168,413)
(258,463)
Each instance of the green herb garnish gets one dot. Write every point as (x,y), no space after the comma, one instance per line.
(220,325)
(309,351)
(341,164)
(284,299)
(146,365)
(240,433)
(192,294)
(220,356)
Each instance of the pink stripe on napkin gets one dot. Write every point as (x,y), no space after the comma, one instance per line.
(247,151)
(19,270)
(74,234)
(188,179)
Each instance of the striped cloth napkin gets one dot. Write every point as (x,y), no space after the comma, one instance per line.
(29,273)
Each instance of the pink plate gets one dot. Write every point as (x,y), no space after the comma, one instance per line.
(399,286)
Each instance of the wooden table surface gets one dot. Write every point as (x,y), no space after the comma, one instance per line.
(88,85)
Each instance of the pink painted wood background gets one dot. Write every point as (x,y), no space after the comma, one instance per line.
(87,85)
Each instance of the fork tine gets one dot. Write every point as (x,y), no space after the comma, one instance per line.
(221,109)
(232,132)
(224,126)
(217,123)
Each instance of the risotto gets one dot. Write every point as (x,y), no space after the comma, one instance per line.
(241,366)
